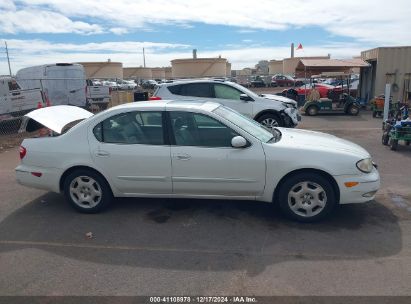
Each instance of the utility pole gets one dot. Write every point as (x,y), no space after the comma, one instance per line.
(144,58)
(8,59)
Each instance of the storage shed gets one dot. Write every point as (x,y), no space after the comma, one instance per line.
(387,65)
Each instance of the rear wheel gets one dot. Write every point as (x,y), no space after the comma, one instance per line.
(270,121)
(87,191)
(312,110)
(307,197)
(353,110)
(393,144)
(374,114)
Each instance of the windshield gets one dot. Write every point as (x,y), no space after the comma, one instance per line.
(245,123)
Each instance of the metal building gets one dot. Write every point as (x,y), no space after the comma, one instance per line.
(390,65)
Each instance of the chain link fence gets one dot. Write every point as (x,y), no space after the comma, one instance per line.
(11,134)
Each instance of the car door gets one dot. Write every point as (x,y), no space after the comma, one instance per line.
(130,148)
(205,164)
(230,97)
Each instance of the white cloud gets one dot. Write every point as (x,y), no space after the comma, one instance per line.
(367,20)
(119,30)
(26,53)
(40,21)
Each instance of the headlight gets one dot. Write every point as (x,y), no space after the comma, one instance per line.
(365,165)
(289,105)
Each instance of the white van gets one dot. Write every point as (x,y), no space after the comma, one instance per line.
(61,83)
(15,102)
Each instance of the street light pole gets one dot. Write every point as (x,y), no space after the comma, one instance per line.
(8,59)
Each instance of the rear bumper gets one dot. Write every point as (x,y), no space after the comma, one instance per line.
(364,191)
(49,179)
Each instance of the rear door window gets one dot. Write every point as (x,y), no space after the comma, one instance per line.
(197,90)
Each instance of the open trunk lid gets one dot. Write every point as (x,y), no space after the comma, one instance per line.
(55,118)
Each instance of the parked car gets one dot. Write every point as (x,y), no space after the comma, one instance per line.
(282,81)
(257,82)
(149,84)
(111,84)
(269,110)
(126,84)
(324,89)
(192,150)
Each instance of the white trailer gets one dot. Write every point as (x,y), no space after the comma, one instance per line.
(61,83)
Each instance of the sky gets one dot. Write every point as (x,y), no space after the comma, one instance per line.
(244,32)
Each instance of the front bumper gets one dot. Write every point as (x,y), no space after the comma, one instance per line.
(364,191)
(291,117)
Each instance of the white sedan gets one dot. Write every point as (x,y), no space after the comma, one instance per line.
(192,150)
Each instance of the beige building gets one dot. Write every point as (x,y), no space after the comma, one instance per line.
(287,66)
(388,65)
(199,67)
(275,67)
(106,69)
(158,73)
(168,72)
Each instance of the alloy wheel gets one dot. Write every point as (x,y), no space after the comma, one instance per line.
(270,123)
(85,192)
(307,199)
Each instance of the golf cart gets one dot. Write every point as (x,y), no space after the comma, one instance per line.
(338,98)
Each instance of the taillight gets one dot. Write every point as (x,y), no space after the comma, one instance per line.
(22,151)
(154,98)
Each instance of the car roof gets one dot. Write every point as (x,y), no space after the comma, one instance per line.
(184,81)
(174,105)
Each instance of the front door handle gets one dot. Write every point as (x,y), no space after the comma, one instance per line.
(102,153)
(182,156)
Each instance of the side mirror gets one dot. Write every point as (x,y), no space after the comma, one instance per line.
(238,142)
(245,97)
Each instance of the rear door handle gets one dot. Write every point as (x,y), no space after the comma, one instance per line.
(102,153)
(182,156)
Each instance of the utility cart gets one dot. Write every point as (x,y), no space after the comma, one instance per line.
(397,129)
(377,106)
(338,98)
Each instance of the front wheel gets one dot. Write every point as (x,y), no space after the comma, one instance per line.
(87,191)
(385,138)
(270,121)
(307,197)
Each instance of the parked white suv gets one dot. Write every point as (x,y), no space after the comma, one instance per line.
(267,109)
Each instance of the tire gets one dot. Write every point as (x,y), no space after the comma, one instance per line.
(270,120)
(353,110)
(385,138)
(393,144)
(374,114)
(94,184)
(312,111)
(407,142)
(307,197)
